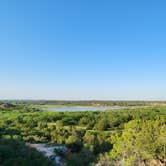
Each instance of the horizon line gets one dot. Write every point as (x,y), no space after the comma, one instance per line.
(143,100)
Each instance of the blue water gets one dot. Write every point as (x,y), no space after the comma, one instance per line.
(78,109)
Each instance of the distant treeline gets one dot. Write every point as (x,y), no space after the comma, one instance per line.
(86,102)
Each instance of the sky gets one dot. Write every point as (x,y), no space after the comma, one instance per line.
(83,49)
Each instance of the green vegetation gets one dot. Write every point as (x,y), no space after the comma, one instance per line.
(50,103)
(13,152)
(131,137)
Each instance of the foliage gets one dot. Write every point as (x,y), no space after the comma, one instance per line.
(14,153)
(132,136)
(140,141)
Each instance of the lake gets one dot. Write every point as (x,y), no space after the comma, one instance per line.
(79,109)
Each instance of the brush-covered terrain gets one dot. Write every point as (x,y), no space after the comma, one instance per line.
(130,137)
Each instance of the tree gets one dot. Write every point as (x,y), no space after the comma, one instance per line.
(140,142)
(73,142)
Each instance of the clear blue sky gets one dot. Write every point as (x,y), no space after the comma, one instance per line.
(83,49)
